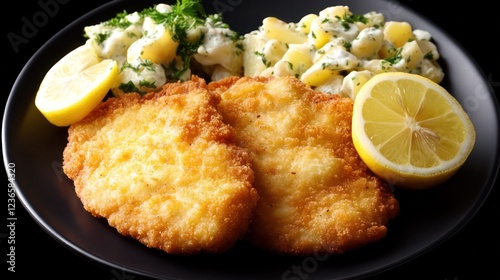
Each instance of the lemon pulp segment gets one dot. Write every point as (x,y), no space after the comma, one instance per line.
(74,86)
(409,129)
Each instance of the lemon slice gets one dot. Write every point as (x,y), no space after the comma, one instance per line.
(74,86)
(410,131)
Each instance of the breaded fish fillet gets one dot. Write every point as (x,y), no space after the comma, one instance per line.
(164,170)
(316,194)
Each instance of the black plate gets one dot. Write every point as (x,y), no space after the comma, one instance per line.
(427,218)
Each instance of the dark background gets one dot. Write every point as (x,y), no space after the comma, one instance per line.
(472,253)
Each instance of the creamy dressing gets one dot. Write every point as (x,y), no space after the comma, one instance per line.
(149,56)
(322,50)
(341,50)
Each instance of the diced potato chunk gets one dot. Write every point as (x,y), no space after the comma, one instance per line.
(162,50)
(295,62)
(353,82)
(305,23)
(398,32)
(277,29)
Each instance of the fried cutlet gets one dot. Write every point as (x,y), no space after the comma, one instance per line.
(316,194)
(163,169)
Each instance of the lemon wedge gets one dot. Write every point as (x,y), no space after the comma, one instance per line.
(74,86)
(410,131)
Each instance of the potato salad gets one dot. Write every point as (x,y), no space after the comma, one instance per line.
(336,51)
(166,43)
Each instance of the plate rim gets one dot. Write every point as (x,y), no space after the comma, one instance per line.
(64,241)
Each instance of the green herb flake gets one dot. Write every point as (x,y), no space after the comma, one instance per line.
(395,58)
(346,20)
(119,21)
(128,87)
(144,83)
(429,55)
(101,37)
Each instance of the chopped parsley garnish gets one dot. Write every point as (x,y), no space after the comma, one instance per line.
(146,64)
(216,19)
(354,18)
(101,37)
(395,58)
(144,83)
(429,55)
(185,15)
(128,87)
(120,21)
(185,50)
(263,57)
(346,20)
(348,46)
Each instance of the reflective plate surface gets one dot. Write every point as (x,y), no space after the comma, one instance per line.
(427,218)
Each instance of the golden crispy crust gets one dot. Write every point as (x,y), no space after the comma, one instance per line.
(316,194)
(164,170)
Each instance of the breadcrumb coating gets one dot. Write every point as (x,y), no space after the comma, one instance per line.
(164,169)
(316,194)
